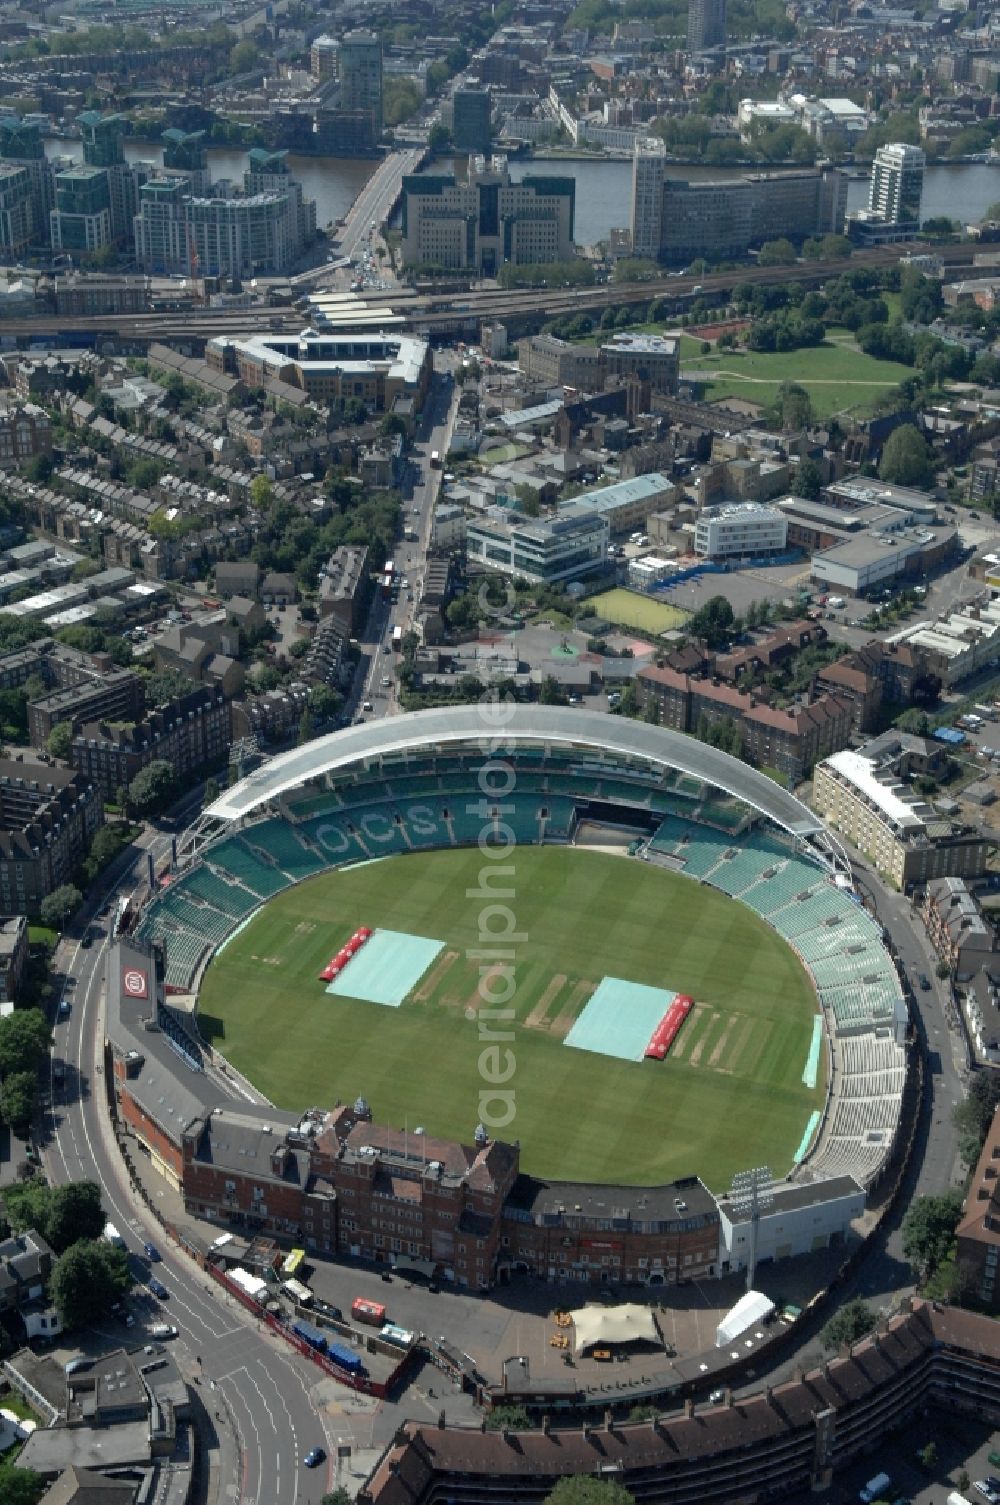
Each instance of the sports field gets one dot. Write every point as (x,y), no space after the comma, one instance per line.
(627,608)
(729,1095)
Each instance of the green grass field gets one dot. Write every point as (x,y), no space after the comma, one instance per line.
(728,1096)
(838,377)
(627,608)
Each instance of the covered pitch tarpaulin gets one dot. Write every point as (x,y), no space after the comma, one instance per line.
(751,1308)
(597,1326)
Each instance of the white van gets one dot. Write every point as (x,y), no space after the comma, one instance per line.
(875,1489)
(112,1236)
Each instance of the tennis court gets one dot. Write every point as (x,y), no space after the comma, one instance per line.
(387,968)
(619,1019)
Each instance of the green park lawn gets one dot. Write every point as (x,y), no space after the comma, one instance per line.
(838,377)
(729,1095)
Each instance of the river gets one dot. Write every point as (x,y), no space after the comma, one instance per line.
(603,185)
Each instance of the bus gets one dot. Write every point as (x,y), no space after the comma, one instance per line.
(397,638)
(292,1263)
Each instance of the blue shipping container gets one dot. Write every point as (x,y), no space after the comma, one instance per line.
(310,1335)
(346,1358)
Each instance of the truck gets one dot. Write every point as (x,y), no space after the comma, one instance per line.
(346,1358)
(309,1334)
(435,459)
(397,638)
(112,1236)
(363,1310)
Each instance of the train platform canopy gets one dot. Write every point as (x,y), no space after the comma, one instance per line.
(606,1326)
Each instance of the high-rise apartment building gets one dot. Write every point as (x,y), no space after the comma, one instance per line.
(487,220)
(185,152)
(897,184)
(323,58)
(21,143)
(359,70)
(102,147)
(81,220)
(648,161)
(706,24)
(16,209)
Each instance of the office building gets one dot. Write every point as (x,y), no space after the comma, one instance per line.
(648,162)
(706,24)
(47,819)
(359,72)
(80,223)
(720,219)
(488,220)
(566,547)
(17,217)
(471,128)
(741,531)
(378,369)
(863,795)
(897,184)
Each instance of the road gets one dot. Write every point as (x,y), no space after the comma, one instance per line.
(379,663)
(375,202)
(267,1389)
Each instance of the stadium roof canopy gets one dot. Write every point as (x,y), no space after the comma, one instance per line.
(498,725)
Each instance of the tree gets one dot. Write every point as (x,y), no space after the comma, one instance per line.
(971,1117)
(550,692)
(244,57)
(75,1213)
(776,253)
(928,1457)
(323,702)
(56,908)
(153,788)
(18,1098)
(261,493)
(713,622)
(584,1489)
(793,406)
(905,461)
(853,1321)
(60,740)
(508,1418)
(25,1040)
(338,1496)
(87,1279)
(307,727)
(439,137)
(808,480)
(20,1486)
(928,1230)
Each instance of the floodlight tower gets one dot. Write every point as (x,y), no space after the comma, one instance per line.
(751,1194)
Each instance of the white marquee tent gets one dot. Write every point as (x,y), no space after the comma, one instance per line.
(751,1308)
(599,1325)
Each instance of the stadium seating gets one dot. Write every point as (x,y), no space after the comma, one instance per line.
(702,850)
(281,842)
(214,889)
(558,825)
(238,861)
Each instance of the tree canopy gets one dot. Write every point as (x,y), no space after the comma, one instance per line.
(25,1040)
(62,1214)
(854,1320)
(584,1489)
(905,460)
(928,1230)
(973,1116)
(60,740)
(713,622)
(153,788)
(56,908)
(87,1279)
(20,1486)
